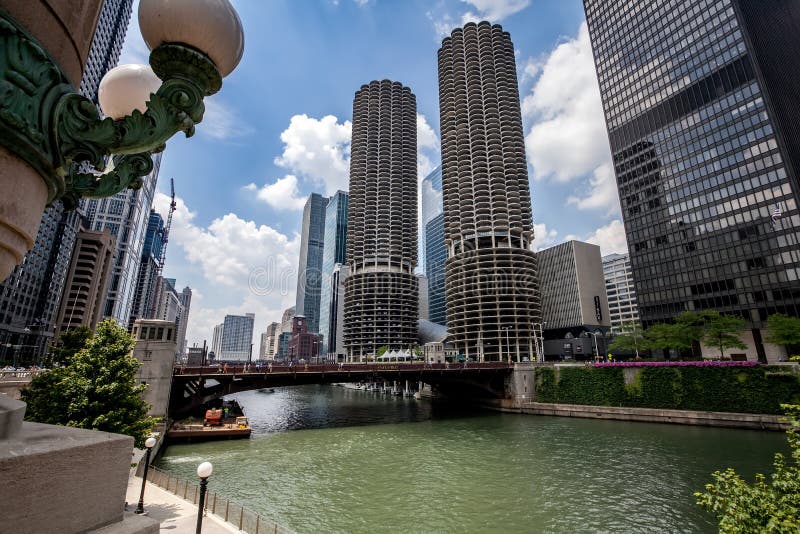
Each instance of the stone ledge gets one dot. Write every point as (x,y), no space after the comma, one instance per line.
(653,415)
(69,478)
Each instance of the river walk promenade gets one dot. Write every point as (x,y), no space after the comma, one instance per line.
(176,515)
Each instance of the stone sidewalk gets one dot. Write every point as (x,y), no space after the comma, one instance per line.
(176,515)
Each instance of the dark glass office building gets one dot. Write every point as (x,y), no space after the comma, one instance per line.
(434,252)
(333,254)
(309,273)
(701,103)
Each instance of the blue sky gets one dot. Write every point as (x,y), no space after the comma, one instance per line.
(279,129)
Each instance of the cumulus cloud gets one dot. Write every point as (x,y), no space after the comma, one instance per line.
(492,10)
(567,138)
(282,195)
(317,150)
(255,264)
(600,193)
(610,238)
(543,237)
(229,248)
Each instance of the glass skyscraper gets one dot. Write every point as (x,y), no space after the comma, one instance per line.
(148,269)
(434,252)
(333,252)
(700,98)
(309,272)
(236,337)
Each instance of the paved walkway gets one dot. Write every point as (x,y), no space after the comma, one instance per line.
(176,515)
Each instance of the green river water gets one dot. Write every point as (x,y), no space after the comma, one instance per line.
(328,459)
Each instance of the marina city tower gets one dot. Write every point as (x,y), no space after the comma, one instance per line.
(491,281)
(381,291)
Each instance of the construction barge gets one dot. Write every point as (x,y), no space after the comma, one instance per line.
(226,422)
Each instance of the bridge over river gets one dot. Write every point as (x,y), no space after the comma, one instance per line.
(194,386)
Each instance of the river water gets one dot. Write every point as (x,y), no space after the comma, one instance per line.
(329,459)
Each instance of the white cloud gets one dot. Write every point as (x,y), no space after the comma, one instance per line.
(253,266)
(427,147)
(317,150)
(610,238)
(492,10)
(229,248)
(282,195)
(568,137)
(543,237)
(220,122)
(600,192)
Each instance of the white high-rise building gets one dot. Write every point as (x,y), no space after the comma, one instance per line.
(125,215)
(622,306)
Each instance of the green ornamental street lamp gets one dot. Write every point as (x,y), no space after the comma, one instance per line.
(57,132)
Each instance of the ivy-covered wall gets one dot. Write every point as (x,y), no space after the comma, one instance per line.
(759,389)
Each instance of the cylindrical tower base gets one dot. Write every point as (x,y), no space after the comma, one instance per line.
(380,311)
(493,303)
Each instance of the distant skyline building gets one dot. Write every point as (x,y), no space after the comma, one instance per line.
(622,306)
(309,272)
(168,304)
(491,281)
(216,340)
(334,346)
(434,253)
(143,305)
(185,297)
(286,319)
(700,99)
(86,280)
(269,341)
(574,301)
(381,293)
(333,254)
(303,345)
(237,337)
(31,296)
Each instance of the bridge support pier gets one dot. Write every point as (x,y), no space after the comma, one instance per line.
(521,384)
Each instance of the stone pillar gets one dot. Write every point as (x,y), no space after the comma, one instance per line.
(65,29)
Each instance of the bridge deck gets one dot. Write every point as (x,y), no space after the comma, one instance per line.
(332,368)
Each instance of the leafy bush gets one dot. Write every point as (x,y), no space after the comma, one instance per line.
(731,388)
(764,506)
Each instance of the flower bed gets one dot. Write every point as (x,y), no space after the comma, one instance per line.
(703,363)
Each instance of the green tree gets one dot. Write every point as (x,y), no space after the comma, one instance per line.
(667,336)
(630,339)
(381,350)
(69,343)
(96,390)
(722,331)
(765,506)
(783,330)
(690,328)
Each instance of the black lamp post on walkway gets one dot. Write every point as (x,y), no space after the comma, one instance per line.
(204,471)
(149,444)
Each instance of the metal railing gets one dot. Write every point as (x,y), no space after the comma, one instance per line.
(16,376)
(227,510)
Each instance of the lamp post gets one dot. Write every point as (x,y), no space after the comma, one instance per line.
(204,471)
(507,328)
(54,134)
(149,444)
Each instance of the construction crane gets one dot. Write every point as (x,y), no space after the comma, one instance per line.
(163,258)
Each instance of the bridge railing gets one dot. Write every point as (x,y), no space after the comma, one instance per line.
(13,376)
(332,367)
(236,514)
